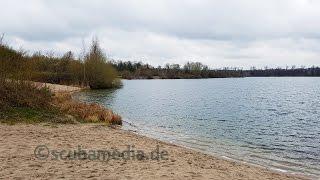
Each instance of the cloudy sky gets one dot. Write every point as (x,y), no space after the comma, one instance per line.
(219,33)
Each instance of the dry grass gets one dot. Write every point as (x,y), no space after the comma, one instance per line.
(89,112)
(15,93)
(21,97)
(26,101)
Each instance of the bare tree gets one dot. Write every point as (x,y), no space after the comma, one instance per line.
(1,38)
(83,57)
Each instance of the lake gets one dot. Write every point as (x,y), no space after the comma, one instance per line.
(273,122)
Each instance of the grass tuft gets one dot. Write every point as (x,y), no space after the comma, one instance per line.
(89,112)
(32,116)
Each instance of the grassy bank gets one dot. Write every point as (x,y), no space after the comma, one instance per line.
(23,100)
(37,104)
(86,112)
(30,115)
(85,115)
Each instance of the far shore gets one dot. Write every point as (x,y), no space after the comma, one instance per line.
(18,159)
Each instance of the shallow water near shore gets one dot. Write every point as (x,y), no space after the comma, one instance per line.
(273,122)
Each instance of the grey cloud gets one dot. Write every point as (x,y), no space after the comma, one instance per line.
(207,19)
(213,31)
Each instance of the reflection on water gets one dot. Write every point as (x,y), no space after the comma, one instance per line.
(268,121)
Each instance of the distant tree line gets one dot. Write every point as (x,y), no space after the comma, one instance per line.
(190,70)
(195,70)
(278,72)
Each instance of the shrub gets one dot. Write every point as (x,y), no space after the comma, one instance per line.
(99,73)
(15,93)
(22,98)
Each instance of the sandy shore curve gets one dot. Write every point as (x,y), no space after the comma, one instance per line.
(18,160)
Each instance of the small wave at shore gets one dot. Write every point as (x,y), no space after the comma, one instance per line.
(220,148)
(273,122)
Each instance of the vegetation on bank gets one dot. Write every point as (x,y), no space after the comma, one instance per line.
(21,100)
(88,112)
(100,74)
(195,70)
(93,69)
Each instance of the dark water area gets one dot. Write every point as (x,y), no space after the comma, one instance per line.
(273,122)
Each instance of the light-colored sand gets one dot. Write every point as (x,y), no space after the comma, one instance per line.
(58,88)
(17,144)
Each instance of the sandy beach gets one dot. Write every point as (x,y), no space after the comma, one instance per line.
(49,151)
(18,159)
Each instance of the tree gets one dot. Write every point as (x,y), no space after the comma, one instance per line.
(100,73)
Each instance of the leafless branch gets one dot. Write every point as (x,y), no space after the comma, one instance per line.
(1,38)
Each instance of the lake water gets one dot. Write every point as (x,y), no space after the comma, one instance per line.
(273,122)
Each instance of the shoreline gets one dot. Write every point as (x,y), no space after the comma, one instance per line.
(183,163)
(218,155)
(19,141)
(220,78)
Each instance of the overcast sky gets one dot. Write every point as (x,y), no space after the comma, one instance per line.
(219,33)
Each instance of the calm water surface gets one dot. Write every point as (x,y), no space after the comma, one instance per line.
(274,122)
